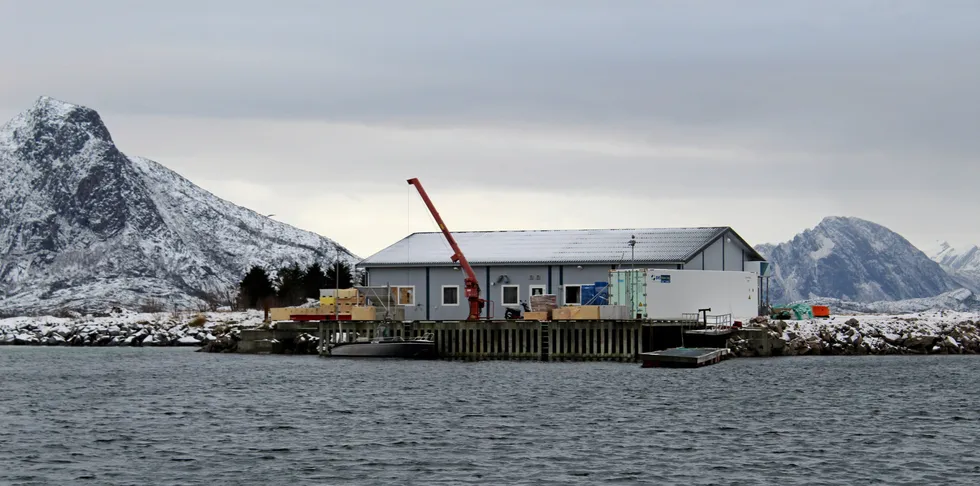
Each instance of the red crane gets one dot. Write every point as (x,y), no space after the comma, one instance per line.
(470,283)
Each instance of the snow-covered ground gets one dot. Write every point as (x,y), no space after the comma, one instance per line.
(925,322)
(122,327)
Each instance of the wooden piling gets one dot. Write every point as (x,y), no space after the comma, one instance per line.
(572,340)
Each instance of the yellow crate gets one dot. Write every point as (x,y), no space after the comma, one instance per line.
(363,313)
(585,312)
(347,293)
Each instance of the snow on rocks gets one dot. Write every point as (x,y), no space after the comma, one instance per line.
(937,332)
(121,327)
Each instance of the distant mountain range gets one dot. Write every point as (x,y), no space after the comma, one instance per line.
(962,265)
(83,225)
(855,263)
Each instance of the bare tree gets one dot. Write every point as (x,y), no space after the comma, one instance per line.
(211,298)
(152,305)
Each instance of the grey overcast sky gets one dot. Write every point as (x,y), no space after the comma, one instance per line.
(764,115)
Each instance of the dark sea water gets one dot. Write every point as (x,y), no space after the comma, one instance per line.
(173,416)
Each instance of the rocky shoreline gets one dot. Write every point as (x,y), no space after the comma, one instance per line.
(213,331)
(923,333)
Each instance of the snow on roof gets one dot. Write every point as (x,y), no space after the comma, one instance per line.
(655,245)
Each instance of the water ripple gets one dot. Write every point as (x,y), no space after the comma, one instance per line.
(171,416)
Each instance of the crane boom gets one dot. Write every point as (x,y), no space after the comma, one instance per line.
(471,286)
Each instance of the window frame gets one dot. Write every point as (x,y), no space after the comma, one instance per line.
(398,294)
(503,288)
(443,295)
(544,290)
(564,294)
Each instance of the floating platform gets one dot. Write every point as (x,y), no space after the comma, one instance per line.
(683,357)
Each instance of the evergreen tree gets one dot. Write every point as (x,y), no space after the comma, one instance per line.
(289,285)
(346,277)
(256,286)
(313,280)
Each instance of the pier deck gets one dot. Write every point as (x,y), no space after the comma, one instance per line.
(576,340)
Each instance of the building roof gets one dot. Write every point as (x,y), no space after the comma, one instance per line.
(653,245)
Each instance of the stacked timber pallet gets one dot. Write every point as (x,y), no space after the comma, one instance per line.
(334,304)
(541,307)
(343,300)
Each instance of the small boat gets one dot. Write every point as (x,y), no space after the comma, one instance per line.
(422,347)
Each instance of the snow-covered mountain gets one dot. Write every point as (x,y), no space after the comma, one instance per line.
(83,226)
(852,260)
(962,265)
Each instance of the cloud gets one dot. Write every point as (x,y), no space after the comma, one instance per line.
(773,111)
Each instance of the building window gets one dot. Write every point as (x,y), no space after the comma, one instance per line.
(404,295)
(573,294)
(510,295)
(450,295)
(537,290)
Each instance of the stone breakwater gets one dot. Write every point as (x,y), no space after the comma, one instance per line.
(211,331)
(924,333)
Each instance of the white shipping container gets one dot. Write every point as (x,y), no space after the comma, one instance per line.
(673,293)
(628,288)
(614,312)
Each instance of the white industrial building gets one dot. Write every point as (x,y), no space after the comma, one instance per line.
(513,265)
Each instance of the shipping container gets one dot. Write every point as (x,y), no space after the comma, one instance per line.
(587,296)
(670,294)
(628,288)
(614,312)
(601,293)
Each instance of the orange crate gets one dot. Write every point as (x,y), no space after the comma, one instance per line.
(820,311)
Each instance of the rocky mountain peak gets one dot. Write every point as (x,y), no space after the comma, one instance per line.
(852,259)
(52,122)
(852,224)
(84,225)
(55,131)
(962,265)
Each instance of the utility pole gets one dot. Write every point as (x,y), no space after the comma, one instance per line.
(336,291)
(630,281)
(632,251)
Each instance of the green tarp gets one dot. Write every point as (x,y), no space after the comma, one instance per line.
(798,311)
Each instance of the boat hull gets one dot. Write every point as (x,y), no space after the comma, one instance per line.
(404,349)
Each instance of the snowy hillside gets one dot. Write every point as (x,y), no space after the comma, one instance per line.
(83,226)
(962,265)
(852,260)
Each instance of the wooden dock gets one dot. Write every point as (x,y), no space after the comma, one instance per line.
(564,340)
(683,357)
